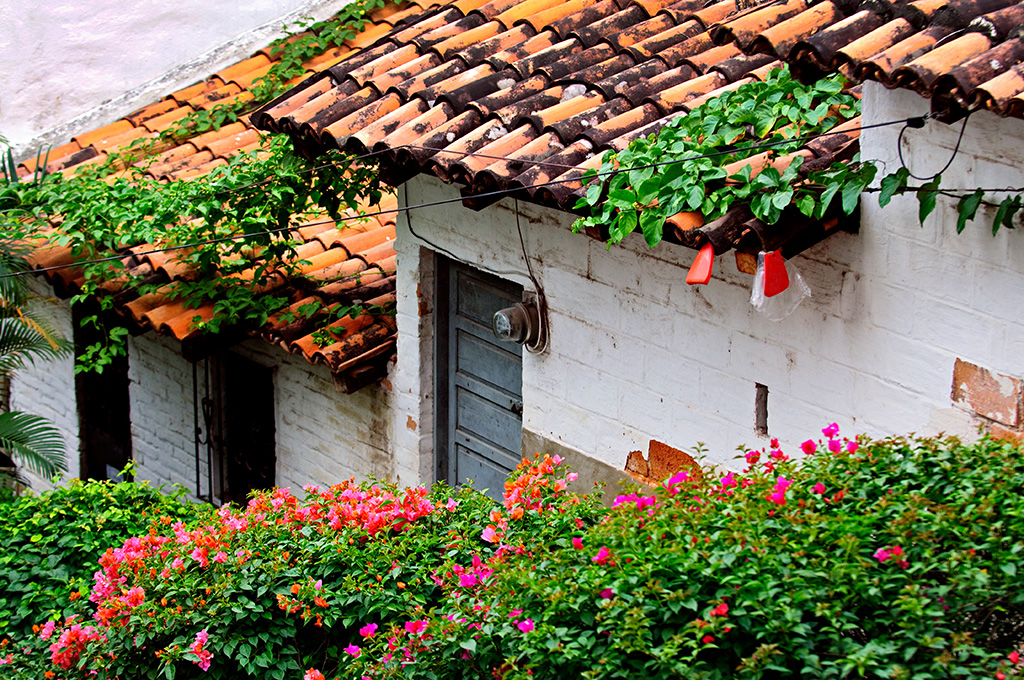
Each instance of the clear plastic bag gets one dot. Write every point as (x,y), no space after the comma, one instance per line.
(778,307)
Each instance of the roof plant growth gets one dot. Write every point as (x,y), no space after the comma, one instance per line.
(229,228)
(895,559)
(652,179)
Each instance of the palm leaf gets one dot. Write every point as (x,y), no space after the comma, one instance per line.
(21,342)
(33,442)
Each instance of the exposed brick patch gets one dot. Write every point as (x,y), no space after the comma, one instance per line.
(994,396)
(1006,434)
(662,462)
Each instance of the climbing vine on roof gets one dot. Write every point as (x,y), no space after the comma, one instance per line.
(696,163)
(231,230)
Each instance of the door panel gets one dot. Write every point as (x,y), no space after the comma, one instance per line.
(479,381)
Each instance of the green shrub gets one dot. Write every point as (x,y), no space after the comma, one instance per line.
(50,543)
(894,559)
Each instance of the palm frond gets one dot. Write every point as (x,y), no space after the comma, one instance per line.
(22,342)
(33,442)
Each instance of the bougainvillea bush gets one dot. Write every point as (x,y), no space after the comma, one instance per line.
(284,584)
(894,559)
(50,543)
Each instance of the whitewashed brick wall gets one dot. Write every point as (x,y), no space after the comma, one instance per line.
(636,354)
(47,388)
(322,436)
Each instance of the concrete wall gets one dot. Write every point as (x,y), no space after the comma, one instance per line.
(72,65)
(638,355)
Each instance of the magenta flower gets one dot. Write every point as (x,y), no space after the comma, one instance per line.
(602,555)
(882,554)
(819,488)
(526,625)
(607,594)
(852,446)
(835,446)
(809,447)
(577,542)
(135,596)
(353,651)
(415,627)
(468,580)
(831,431)
(369,630)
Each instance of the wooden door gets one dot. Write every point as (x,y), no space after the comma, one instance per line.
(479,381)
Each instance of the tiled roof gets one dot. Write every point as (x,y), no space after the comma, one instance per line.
(526,95)
(352,262)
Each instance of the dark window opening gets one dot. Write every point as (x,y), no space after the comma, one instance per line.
(104,416)
(244,437)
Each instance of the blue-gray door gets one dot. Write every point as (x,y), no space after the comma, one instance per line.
(479,381)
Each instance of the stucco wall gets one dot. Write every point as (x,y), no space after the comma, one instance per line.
(636,354)
(75,65)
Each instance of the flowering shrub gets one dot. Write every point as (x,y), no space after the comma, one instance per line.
(890,559)
(50,543)
(285,586)
(894,559)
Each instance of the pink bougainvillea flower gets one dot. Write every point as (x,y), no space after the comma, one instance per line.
(607,594)
(313,674)
(819,488)
(852,446)
(135,596)
(353,651)
(369,630)
(221,557)
(778,494)
(468,580)
(415,627)
(602,556)
(831,430)
(809,447)
(577,542)
(451,504)
(526,625)
(47,630)
(489,534)
(834,446)
(752,457)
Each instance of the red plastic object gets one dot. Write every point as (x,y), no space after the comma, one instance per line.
(700,270)
(776,278)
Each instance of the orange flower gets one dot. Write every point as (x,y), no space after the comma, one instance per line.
(295,589)
(319,601)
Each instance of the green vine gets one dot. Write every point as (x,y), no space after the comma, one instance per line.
(229,229)
(684,166)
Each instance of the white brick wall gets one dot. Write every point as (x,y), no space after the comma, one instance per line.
(47,388)
(636,354)
(322,436)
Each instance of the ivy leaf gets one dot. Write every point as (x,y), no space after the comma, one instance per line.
(826,198)
(652,223)
(851,195)
(805,203)
(695,196)
(891,184)
(927,197)
(967,209)
(1008,208)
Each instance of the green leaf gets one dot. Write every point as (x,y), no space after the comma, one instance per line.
(892,184)
(1008,568)
(967,208)
(851,195)
(927,196)
(469,645)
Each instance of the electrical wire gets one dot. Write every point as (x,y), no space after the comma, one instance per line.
(911,123)
(915,121)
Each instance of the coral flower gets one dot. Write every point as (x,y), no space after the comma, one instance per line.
(313,674)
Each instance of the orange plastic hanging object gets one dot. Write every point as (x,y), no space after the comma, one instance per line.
(700,270)
(776,278)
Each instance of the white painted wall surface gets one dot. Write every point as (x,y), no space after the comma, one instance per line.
(73,65)
(636,354)
(322,436)
(47,388)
